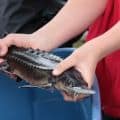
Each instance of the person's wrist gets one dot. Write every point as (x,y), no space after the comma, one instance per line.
(40,41)
(98,48)
(92,52)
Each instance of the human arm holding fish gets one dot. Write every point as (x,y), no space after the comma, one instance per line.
(65,25)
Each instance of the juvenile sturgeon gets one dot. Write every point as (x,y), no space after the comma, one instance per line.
(35,67)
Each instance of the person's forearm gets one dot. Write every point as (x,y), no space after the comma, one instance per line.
(72,19)
(106,43)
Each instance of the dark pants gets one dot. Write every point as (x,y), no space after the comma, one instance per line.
(107,117)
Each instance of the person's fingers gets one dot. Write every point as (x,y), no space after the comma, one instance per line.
(63,66)
(20,40)
(3,48)
(67,97)
(86,73)
(1,60)
(80,97)
(73,98)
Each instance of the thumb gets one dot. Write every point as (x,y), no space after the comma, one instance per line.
(63,66)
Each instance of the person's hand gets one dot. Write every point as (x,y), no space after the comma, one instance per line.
(84,60)
(22,40)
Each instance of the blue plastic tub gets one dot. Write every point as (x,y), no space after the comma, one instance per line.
(37,104)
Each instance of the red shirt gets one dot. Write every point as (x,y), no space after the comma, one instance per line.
(108,70)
